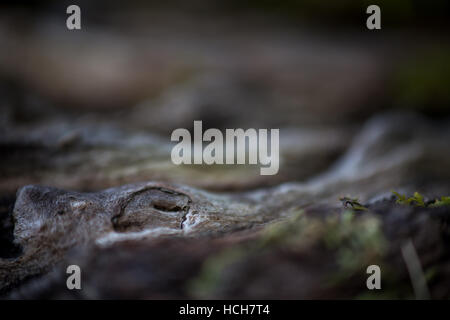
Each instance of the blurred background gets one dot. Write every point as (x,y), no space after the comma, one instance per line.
(93,108)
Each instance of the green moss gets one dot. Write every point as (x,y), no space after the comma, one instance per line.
(282,232)
(445,201)
(212,271)
(422,82)
(418,200)
(356,241)
(351,240)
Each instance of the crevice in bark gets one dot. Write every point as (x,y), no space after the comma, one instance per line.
(8,249)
